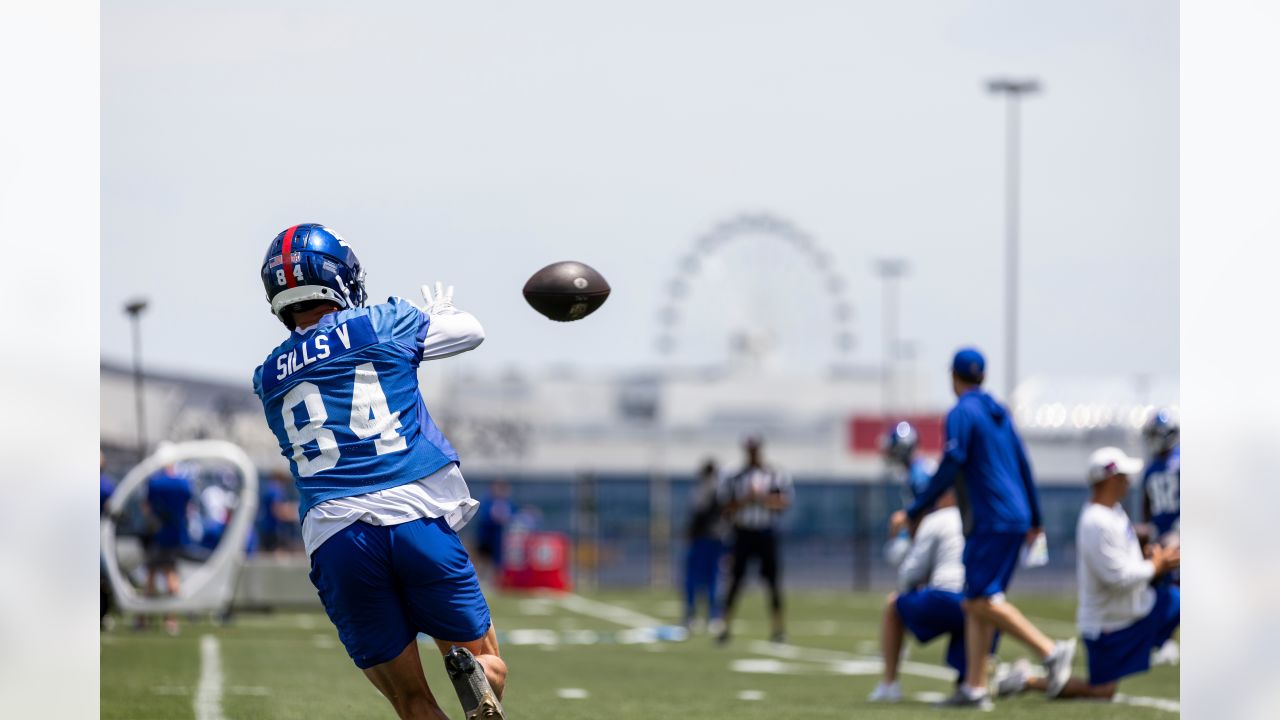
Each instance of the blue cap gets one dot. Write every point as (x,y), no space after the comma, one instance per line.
(969,365)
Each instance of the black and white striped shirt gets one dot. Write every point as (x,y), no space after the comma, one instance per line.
(752,514)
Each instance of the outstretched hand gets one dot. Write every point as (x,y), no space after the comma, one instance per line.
(898,522)
(438,303)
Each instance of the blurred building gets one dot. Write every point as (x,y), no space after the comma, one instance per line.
(608,458)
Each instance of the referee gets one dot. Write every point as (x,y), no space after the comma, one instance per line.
(753,501)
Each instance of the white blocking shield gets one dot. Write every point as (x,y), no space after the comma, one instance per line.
(211,587)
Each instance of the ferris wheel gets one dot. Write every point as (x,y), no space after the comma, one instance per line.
(760,288)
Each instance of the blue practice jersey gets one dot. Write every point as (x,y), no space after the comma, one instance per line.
(985,460)
(343,402)
(1162,485)
(168,495)
(271,494)
(106,488)
(919,475)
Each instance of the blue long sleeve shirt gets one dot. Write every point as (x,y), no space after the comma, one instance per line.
(986,462)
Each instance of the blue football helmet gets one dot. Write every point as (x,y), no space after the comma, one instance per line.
(1161,432)
(311,262)
(900,443)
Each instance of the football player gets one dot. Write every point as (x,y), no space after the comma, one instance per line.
(1161,481)
(380,491)
(1121,616)
(929,600)
(910,472)
(985,460)
(900,453)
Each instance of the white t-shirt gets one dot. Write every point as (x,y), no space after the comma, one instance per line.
(1113,578)
(443,493)
(936,556)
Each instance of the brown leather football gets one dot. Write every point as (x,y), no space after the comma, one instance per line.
(566,291)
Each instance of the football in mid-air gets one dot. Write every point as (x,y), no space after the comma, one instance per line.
(566,291)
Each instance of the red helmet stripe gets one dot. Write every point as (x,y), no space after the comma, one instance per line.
(286,251)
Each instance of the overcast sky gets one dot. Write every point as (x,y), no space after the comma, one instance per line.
(477,142)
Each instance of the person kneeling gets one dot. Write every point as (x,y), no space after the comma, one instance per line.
(1122,617)
(931,578)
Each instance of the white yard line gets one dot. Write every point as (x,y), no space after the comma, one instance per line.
(1165,704)
(605,611)
(208,700)
(572,694)
(850,663)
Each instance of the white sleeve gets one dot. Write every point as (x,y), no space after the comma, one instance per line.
(451,333)
(1108,555)
(918,563)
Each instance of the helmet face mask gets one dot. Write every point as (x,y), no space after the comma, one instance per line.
(311,262)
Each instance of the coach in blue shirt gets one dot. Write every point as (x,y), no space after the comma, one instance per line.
(985,460)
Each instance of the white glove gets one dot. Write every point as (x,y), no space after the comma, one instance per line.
(441,302)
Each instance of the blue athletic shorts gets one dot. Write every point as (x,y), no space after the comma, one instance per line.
(382,585)
(989,562)
(1127,651)
(930,612)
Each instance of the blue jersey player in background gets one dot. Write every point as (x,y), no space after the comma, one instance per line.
(910,472)
(381,494)
(1162,479)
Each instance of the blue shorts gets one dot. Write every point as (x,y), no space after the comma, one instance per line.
(382,585)
(1127,651)
(989,562)
(930,612)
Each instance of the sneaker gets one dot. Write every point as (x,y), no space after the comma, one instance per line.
(478,700)
(890,693)
(779,637)
(1057,667)
(715,626)
(722,637)
(1168,654)
(489,709)
(962,698)
(1011,679)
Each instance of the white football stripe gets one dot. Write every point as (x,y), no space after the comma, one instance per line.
(208,700)
(572,693)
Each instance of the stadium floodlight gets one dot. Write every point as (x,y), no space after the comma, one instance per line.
(1009,85)
(134,309)
(1013,89)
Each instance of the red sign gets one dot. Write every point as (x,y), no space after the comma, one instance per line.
(535,560)
(867,432)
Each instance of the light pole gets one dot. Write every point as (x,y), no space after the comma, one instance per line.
(134,308)
(890,270)
(1013,91)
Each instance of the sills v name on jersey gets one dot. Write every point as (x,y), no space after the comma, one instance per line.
(314,349)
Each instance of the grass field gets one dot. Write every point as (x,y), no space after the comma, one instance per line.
(581,657)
